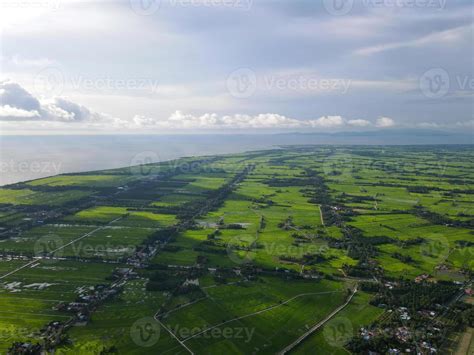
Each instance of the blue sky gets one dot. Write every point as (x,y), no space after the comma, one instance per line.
(224,65)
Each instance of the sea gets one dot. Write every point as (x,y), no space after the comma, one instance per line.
(25,158)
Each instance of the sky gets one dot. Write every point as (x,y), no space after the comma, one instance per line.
(191,66)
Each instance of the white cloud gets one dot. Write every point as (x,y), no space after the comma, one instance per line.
(443,37)
(359,123)
(9,112)
(211,120)
(13,95)
(384,122)
(440,125)
(18,61)
(268,120)
(180,120)
(17,104)
(327,122)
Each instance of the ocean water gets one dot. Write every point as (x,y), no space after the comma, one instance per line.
(29,157)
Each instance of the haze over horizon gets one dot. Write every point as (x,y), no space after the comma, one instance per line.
(235,66)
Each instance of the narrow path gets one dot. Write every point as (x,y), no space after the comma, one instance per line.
(317,326)
(180,307)
(59,248)
(258,312)
(321,215)
(172,334)
(466,342)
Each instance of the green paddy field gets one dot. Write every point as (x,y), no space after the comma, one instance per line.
(232,254)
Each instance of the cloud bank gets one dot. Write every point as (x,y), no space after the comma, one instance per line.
(180,120)
(17,106)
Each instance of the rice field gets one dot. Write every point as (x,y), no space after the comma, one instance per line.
(260,259)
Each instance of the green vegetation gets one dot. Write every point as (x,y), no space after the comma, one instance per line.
(243,253)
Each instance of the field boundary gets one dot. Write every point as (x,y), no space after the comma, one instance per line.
(317,326)
(259,312)
(60,248)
